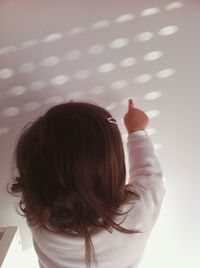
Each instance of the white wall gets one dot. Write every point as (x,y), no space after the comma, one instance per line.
(32,31)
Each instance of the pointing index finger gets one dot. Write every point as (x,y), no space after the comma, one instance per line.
(131,104)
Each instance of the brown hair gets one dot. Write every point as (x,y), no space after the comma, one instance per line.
(72,171)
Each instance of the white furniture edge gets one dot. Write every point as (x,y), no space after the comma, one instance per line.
(6,240)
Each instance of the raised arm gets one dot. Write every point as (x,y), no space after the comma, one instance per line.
(145,172)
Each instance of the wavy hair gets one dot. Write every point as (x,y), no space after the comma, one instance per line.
(71,172)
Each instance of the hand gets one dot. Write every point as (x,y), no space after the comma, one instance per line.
(135,119)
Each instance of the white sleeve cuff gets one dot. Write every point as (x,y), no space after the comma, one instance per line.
(138,133)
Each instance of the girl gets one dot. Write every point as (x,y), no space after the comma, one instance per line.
(72,184)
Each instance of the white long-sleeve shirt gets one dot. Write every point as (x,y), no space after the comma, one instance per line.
(116,249)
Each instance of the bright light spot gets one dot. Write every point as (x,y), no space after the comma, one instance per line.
(16,91)
(96,49)
(6,73)
(157,146)
(165,73)
(82,74)
(174,5)
(118,43)
(108,67)
(128,62)
(168,30)
(27,67)
(150,11)
(73,55)
(59,80)
(153,55)
(31,106)
(29,43)
(75,95)
(111,106)
(77,30)
(38,85)
(151,131)
(12,111)
(97,90)
(124,18)
(153,113)
(53,37)
(4,130)
(53,100)
(5,50)
(50,61)
(119,84)
(143,78)
(144,36)
(152,95)
(100,24)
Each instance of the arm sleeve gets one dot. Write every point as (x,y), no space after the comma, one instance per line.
(145,172)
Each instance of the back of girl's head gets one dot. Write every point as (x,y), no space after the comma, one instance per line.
(71,168)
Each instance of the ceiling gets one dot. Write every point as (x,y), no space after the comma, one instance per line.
(107,52)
